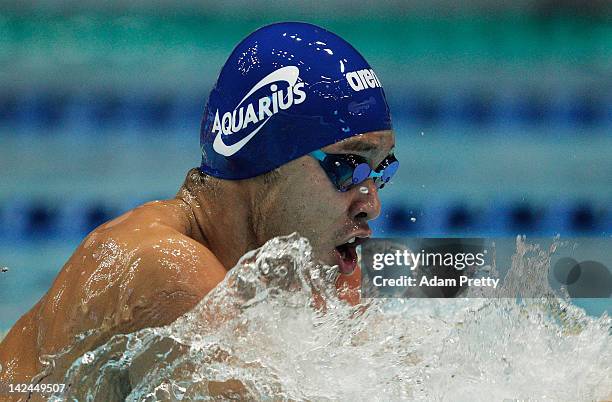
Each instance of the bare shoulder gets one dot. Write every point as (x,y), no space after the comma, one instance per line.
(164,271)
(139,270)
(158,249)
(171,270)
(133,272)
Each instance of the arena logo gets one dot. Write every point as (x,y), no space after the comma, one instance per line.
(363,79)
(258,112)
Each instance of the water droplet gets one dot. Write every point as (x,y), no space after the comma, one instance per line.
(282,271)
(88,357)
(413,219)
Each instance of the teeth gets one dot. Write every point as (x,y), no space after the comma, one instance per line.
(352,240)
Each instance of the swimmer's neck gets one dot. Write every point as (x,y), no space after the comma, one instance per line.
(220,221)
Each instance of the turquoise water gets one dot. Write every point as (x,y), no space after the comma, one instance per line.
(595,307)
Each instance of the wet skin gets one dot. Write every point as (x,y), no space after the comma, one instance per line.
(154,263)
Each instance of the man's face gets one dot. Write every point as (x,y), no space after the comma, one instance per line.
(306,201)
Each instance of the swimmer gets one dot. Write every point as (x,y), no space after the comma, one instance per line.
(296,137)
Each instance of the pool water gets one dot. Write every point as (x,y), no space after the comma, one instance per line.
(261,334)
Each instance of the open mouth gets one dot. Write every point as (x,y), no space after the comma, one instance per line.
(346,255)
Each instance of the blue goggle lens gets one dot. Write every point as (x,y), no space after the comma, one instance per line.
(389,171)
(347,170)
(361,172)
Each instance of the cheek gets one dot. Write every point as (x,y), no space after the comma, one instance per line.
(321,207)
(309,203)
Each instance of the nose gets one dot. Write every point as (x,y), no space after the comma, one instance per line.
(365,206)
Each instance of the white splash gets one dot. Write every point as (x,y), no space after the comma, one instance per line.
(262,335)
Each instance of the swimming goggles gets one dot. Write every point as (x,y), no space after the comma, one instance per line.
(348,170)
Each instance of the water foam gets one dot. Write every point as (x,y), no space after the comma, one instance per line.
(276,329)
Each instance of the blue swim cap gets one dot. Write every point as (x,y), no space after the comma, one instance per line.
(286,90)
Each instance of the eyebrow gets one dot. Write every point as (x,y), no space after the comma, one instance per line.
(358,147)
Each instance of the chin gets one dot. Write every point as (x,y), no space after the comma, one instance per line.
(327,258)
